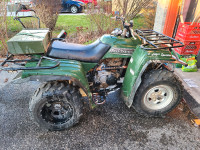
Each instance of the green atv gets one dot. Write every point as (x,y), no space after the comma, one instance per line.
(137,62)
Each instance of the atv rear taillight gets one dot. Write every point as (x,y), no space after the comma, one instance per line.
(63,34)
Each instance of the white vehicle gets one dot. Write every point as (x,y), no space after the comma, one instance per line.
(25,2)
(13,6)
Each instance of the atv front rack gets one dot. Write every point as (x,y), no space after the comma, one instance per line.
(38,66)
(155,40)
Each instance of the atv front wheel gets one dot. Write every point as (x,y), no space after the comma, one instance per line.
(159,93)
(56,106)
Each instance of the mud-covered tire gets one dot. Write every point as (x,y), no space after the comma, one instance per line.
(159,93)
(56,106)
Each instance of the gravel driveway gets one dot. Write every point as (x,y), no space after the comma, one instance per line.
(111,126)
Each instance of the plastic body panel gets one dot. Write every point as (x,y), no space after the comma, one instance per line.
(72,70)
(138,63)
(120,47)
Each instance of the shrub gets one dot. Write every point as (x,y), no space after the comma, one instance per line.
(48,11)
(149,15)
(100,19)
(130,8)
(3,27)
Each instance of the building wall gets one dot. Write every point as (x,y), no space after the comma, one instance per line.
(190,9)
(161,13)
(185,7)
(193,11)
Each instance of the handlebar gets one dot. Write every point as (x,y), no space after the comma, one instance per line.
(127,26)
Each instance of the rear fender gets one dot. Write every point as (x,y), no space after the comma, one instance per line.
(48,78)
(67,70)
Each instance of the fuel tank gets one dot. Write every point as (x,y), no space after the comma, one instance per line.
(120,47)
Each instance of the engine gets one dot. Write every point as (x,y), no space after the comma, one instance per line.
(106,75)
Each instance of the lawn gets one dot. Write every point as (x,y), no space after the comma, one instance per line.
(70,22)
(66,22)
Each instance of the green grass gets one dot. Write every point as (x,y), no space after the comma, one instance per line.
(13,26)
(139,23)
(67,22)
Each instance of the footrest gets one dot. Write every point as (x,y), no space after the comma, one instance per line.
(196,122)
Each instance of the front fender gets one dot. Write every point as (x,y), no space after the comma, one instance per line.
(137,65)
(139,61)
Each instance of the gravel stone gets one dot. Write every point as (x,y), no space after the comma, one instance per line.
(111,126)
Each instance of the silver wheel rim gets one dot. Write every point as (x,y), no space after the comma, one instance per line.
(74,9)
(158,97)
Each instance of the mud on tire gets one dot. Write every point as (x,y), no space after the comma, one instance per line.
(56,105)
(159,93)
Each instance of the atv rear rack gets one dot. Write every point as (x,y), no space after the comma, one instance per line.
(155,40)
(38,66)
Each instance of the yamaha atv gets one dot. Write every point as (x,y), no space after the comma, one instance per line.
(139,62)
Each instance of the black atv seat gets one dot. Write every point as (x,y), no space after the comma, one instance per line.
(86,53)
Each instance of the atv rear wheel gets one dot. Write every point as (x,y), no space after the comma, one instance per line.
(159,93)
(56,106)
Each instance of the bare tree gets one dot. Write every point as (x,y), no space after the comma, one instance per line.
(3,26)
(101,20)
(130,8)
(48,11)
(149,14)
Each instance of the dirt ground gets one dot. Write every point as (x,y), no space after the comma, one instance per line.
(110,126)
